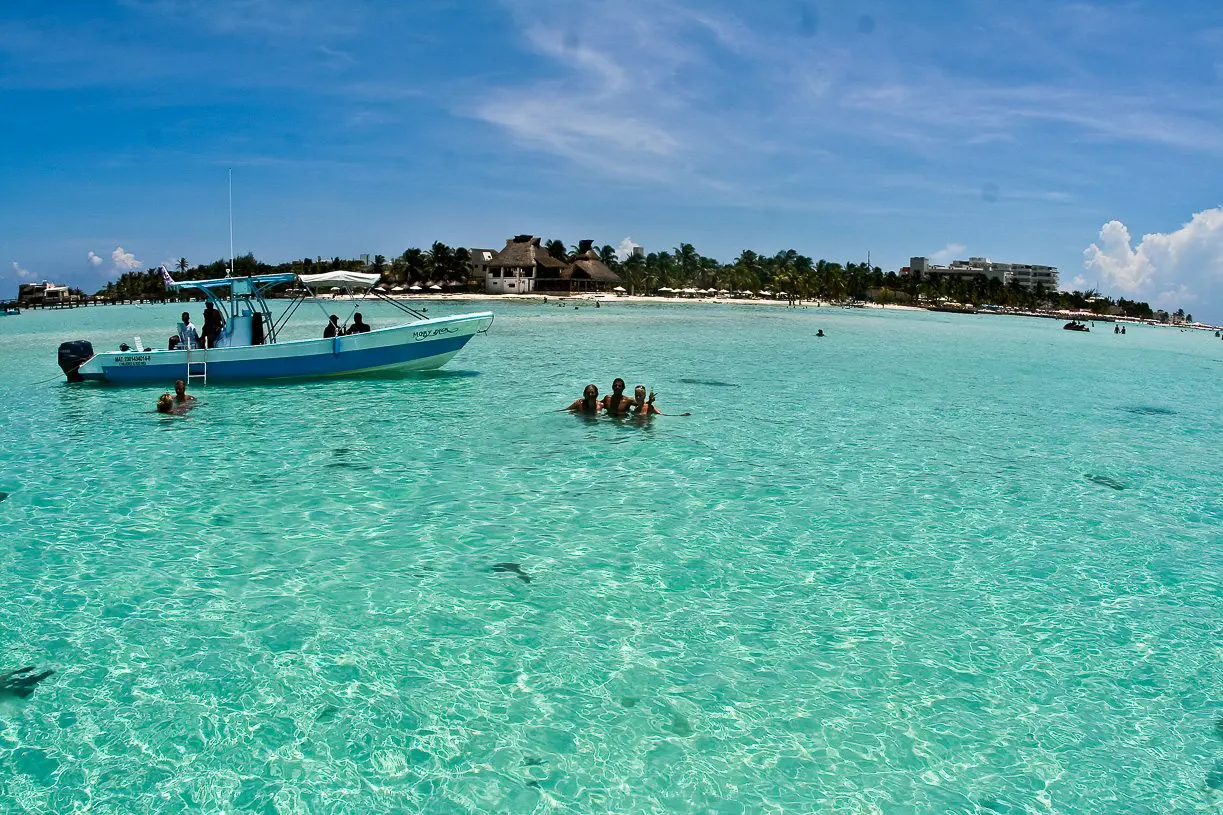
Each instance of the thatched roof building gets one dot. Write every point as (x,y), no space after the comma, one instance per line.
(588,272)
(525,252)
(524,266)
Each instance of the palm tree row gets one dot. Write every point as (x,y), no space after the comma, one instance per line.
(787,273)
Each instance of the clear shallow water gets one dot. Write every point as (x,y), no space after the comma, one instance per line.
(872,573)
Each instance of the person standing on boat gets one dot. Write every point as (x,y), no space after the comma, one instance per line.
(358,326)
(333,328)
(188,336)
(213,323)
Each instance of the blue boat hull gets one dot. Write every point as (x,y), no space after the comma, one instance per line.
(424,345)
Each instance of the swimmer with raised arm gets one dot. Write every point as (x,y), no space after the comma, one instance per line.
(645,408)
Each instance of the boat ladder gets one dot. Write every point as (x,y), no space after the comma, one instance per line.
(197,368)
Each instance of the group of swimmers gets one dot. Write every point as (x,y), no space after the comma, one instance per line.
(178,403)
(616,403)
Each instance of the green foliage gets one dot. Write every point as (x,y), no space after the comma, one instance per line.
(799,276)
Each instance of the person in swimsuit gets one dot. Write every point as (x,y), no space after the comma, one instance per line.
(616,403)
(589,403)
(181,398)
(644,407)
(165,403)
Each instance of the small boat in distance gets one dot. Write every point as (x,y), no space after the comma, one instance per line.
(1075,325)
(248,349)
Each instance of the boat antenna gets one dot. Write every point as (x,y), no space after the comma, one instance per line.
(231,223)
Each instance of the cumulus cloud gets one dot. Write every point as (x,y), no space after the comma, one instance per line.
(94,259)
(625,248)
(22,272)
(948,253)
(1171,269)
(124,261)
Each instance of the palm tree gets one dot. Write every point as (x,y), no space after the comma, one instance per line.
(441,260)
(415,265)
(556,249)
(635,273)
(182,265)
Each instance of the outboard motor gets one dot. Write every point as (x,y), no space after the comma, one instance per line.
(73,355)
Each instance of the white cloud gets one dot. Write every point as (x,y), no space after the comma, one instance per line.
(948,253)
(22,272)
(1170,269)
(626,248)
(124,261)
(94,259)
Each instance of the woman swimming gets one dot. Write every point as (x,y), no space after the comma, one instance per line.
(589,403)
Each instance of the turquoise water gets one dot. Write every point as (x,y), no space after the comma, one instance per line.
(930,563)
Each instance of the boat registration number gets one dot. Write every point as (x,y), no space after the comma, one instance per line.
(133,360)
(426,333)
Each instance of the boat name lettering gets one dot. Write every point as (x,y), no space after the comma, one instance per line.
(133,360)
(425,334)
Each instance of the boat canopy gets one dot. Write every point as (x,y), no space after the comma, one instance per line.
(260,280)
(357,280)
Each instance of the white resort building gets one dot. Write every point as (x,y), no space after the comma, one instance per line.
(1026,275)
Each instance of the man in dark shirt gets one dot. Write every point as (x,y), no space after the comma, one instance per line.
(333,328)
(213,323)
(358,327)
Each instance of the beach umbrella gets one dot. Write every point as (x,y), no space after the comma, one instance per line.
(399,288)
(619,288)
(379,288)
(414,287)
(435,287)
(723,291)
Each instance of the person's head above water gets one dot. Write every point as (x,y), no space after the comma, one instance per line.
(180,388)
(639,393)
(165,403)
(591,391)
(618,385)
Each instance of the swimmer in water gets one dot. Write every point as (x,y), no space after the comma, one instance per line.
(644,407)
(165,403)
(589,403)
(616,403)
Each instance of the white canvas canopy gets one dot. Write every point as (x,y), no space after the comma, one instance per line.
(351,280)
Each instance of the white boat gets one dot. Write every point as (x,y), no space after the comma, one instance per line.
(248,351)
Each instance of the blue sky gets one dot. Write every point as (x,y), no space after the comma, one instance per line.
(1087,136)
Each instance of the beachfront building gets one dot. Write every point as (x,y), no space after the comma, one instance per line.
(478,260)
(586,273)
(1026,275)
(517,268)
(44,294)
(524,266)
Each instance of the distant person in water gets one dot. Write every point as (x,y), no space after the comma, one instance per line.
(333,327)
(589,403)
(358,325)
(165,403)
(819,333)
(213,324)
(181,397)
(188,336)
(616,403)
(644,407)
